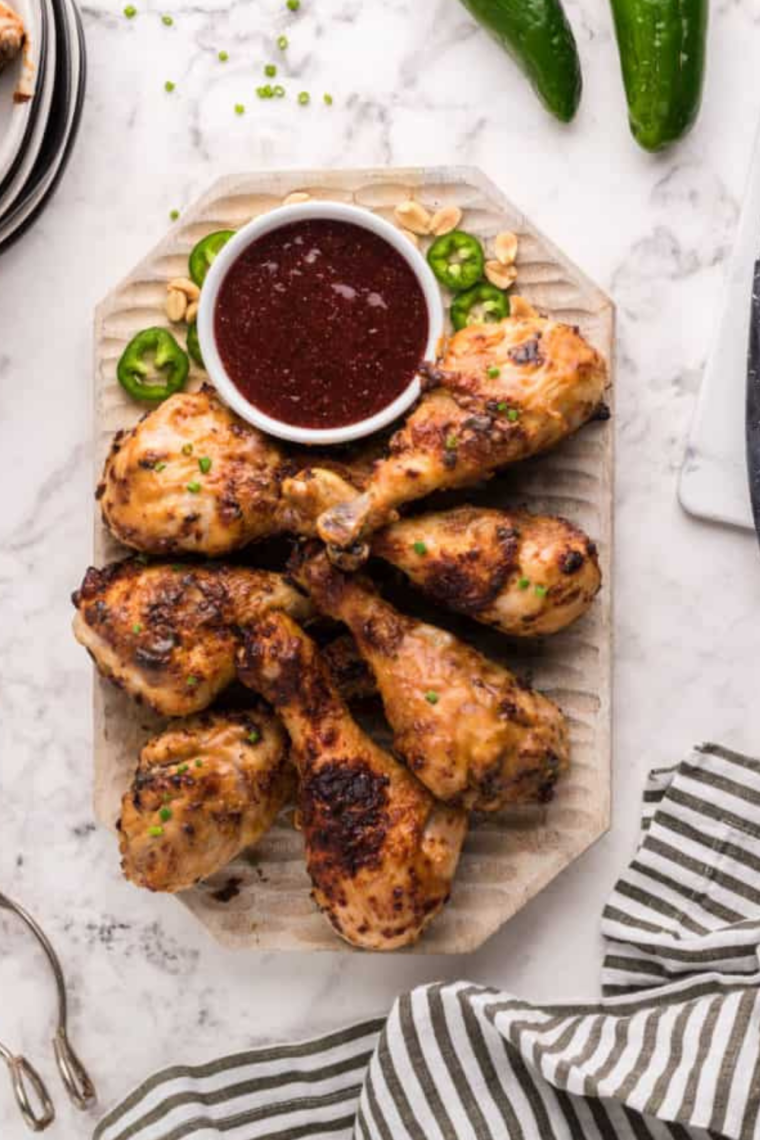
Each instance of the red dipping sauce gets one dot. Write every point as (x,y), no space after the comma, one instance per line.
(320,323)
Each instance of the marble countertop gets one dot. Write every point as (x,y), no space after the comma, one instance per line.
(412,83)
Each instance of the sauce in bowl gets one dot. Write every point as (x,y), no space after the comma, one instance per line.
(320,323)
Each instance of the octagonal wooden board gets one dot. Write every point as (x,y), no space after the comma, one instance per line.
(262,900)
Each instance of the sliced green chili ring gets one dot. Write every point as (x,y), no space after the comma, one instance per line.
(203,254)
(457,259)
(194,345)
(152,366)
(482,305)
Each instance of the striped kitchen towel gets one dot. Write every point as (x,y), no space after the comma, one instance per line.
(672,1051)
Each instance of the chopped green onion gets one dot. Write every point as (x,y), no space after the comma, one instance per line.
(205,464)
(451,442)
(432,697)
(155,831)
(541,591)
(130,11)
(419,548)
(254,736)
(159,466)
(278,90)
(199,763)
(294,5)
(223,56)
(239,109)
(167,20)
(137,627)
(182,769)
(523,583)
(169,86)
(187,449)
(191,681)
(513,415)
(502,406)
(174,214)
(193,487)
(282,43)
(304,97)
(493,371)
(328,99)
(270,70)
(166,814)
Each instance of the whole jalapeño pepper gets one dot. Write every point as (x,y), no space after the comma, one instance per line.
(204,252)
(152,366)
(538,36)
(662,55)
(457,260)
(482,305)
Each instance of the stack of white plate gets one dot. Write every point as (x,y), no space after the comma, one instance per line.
(37,135)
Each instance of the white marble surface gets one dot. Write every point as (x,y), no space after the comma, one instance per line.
(412,83)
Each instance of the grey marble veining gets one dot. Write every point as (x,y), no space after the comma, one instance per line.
(412,84)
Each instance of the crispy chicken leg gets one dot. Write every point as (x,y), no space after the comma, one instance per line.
(203,791)
(466,726)
(12,34)
(526,574)
(507,391)
(168,634)
(380,851)
(191,477)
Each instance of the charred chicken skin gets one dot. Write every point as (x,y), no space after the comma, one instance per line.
(167,634)
(505,392)
(203,792)
(380,851)
(526,574)
(468,729)
(191,477)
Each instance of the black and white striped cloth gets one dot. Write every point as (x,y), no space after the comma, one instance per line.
(672,1051)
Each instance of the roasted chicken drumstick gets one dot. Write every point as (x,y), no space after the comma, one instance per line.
(527,574)
(167,634)
(468,729)
(505,392)
(380,851)
(203,791)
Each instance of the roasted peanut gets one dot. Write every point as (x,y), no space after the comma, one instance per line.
(176,305)
(186,286)
(519,307)
(502,276)
(413,216)
(506,247)
(445,220)
(192,312)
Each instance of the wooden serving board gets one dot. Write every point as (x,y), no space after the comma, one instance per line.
(262,900)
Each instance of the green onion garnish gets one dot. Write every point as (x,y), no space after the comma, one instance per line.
(174,214)
(523,583)
(304,97)
(432,697)
(239,109)
(282,43)
(193,487)
(223,56)
(137,627)
(254,736)
(513,414)
(205,464)
(419,548)
(155,832)
(169,86)
(167,20)
(493,371)
(540,591)
(166,814)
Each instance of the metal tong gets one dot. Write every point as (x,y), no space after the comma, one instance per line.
(33,1099)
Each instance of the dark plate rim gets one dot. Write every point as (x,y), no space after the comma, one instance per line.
(68,147)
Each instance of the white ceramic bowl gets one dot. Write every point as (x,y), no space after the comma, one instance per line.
(284,215)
